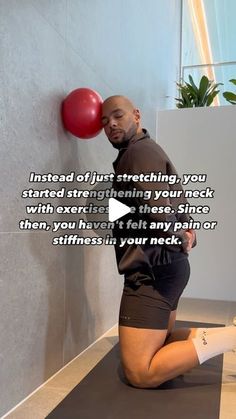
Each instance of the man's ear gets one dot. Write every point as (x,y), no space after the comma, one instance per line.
(137,114)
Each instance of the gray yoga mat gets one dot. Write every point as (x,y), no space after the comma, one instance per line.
(104,393)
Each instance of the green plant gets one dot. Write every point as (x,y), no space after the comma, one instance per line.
(192,96)
(230,96)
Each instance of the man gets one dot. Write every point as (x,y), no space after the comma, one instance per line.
(152,352)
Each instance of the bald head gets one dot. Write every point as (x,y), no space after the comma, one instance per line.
(122,100)
(120,119)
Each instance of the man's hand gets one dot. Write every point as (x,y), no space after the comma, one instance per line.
(189,238)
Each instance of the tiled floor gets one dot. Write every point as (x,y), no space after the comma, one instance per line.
(48,396)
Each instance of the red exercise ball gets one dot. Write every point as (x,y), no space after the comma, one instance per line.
(81,113)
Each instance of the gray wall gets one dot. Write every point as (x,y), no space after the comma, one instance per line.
(55,301)
(202,140)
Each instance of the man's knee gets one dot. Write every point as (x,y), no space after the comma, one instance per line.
(135,378)
(141,378)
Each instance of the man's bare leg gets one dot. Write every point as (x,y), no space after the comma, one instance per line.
(183,333)
(149,360)
(147,363)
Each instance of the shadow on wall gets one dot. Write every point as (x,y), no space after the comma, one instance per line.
(78,328)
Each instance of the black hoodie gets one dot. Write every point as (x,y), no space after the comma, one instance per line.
(143,155)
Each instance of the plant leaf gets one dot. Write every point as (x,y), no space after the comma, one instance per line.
(186,98)
(233,81)
(211,90)
(229,96)
(211,97)
(203,87)
(193,92)
(192,83)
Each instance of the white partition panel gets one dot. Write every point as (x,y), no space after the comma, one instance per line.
(203,140)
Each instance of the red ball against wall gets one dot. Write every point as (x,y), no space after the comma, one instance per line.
(81,113)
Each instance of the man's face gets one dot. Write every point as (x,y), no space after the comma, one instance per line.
(120,121)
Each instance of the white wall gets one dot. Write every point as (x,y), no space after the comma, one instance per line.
(202,140)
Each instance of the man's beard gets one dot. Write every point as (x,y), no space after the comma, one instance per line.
(126,139)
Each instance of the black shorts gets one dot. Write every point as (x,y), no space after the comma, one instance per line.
(149,297)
